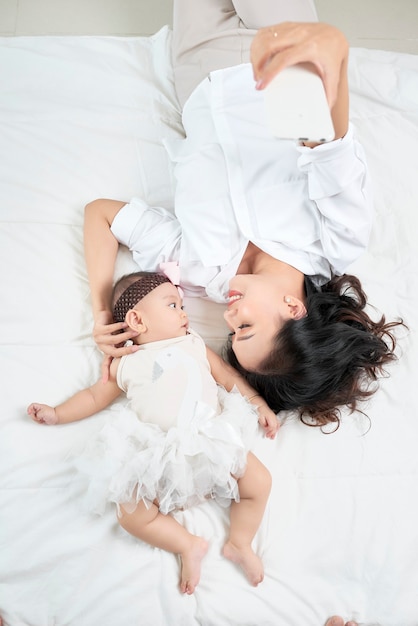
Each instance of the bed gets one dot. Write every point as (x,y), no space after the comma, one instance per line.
(86,117)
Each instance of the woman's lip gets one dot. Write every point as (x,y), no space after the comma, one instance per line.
(233,296)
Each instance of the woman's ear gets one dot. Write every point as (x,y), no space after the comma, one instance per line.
(296,307)
(134,320)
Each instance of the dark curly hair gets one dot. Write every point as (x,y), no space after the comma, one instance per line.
(326,360)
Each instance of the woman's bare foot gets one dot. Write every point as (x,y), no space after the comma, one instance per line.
(191,561)
(247,560)
(338,621)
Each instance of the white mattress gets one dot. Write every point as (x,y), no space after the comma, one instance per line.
(84,117)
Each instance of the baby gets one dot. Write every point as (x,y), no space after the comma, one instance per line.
(184,437)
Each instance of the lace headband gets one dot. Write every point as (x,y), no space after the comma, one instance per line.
(135,292)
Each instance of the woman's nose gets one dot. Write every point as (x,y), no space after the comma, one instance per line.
(229,315)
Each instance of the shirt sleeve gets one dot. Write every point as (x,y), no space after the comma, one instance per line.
(340,186)
(153,234)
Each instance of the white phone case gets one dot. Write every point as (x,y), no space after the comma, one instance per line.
(297,107)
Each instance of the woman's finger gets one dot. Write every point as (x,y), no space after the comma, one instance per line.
(106,368)
(321,45)
(116,327)
(116,351)
(109,340)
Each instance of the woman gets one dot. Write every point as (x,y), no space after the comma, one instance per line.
(266,226)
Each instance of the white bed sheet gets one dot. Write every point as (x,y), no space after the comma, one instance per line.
(84,117)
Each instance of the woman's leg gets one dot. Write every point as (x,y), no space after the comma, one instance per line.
(163,531)
(259,13)
(245,519)
(213,34)
(204,38)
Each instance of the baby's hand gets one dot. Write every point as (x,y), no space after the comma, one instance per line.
(266,417)
(42,413)
(268,420)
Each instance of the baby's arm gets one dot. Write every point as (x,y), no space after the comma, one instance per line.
(83,404)
(228,377)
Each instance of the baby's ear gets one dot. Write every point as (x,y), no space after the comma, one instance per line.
(134,320)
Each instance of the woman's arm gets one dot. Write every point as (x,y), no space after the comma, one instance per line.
(100,250)
(228,377)
(323,45)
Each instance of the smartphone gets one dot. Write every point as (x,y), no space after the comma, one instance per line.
(297,107)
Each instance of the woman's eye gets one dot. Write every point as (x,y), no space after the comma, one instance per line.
(231,334)
(243,326)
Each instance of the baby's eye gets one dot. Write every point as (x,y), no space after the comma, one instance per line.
(172,305)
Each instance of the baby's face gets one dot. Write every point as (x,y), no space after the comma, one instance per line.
(162,313)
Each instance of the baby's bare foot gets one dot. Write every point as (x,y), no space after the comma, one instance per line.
(191,561)
(247,559)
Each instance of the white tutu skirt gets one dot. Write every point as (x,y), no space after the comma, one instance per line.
(130,461)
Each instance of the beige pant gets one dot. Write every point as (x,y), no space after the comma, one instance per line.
(213,34)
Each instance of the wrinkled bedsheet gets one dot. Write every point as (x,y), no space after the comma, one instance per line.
(85,117)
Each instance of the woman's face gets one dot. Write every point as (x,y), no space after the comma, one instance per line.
(257,309)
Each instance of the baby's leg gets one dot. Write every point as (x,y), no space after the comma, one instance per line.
(163,531)
(245,519)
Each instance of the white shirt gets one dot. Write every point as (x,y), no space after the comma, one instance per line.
(235,183)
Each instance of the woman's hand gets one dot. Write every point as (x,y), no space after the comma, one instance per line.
(110,338)
(276,47)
